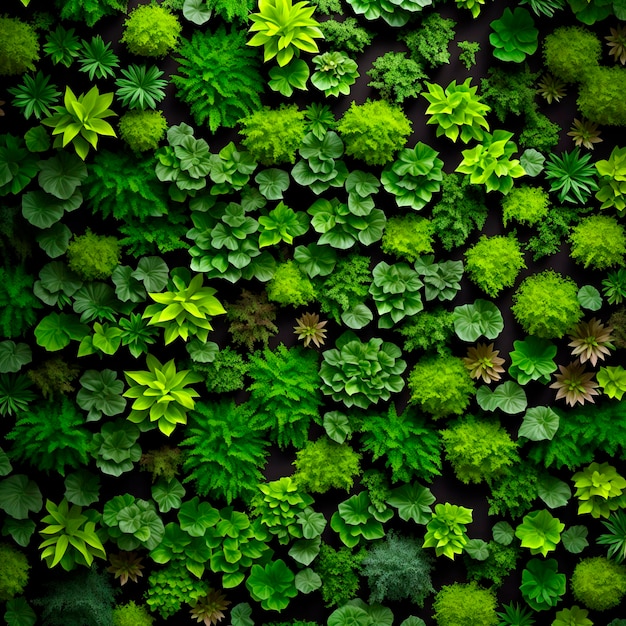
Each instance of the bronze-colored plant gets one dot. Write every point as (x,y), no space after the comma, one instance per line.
(310,329)
(617,44)
(551,88)
(163,463)
(125,566)
(483,361)
(252,319)
(574,384)
(591,341)
(210,608)
(585,133)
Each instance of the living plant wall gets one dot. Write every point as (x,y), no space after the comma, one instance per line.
(312,313)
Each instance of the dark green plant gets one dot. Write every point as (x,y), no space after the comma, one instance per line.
(90,12)
(97,59)
(273,585)
(224,457)
(17,303)
(62,46)
(132,522)
(218,77)
(598,99)
(17,163)
(338,570)
(162,463)
(172,586)
(467,604)
(321,166)
(15,394)
(513,493)
(51,437)
(408,445)
(502,560)
(324,464)
(141,87)
(615,538)
(230,169)
(514,35)
(553,230)
(396,77)
(35,95)
(115,447)
(441,385)
(19,49)
(570,52)
(356,518)
(151,30)
(346,35)
(539,133)
(542,585)
(509,91)
(429,43)
(598,583)
(374,131)
(395,14)
(572,176)
(467,56)
(251,319)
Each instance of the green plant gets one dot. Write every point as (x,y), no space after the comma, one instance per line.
(115,447)
(396,77)
(469,50)
(359,374)
(132,523)
(616,42)
(571,175)
(272,585)
(15,394)
(612,380)
(142,130)
(17,301)
(429,43)
(510,91)
(542,585)
(374,131)
(457,111)
(35,95)
(408,445)
(97,59)
(408,237)
(514,35)
(612,172)
(339,572)
(356,518)
(574,616)
(525,204)
(616,537)
(162,463)
(397,569)
(395,13)
(598,241)
(281,224)
(284,393)
(483,361)
(334,73)
(209,608)
(584,133)
(131,614)
(540,532)
(441,385)
(18,165)
(598,583)
(467,604)
(272,136)
(545,304)
(19,49)
(151,30)
(14,575)
(172,586)
(445,530)
(472,5)
(478,450)
(218,77)
(515,615)
(70,537)
(161,394)
(62,45)
(489,163)
(346,35)
(141,87)
(614,286)
(93,256)
(494,263)
(251,319)
(224,456)
(502,559)
(309,329)
(80,120)
(324,464)
(570,51)
(599,489)
(551,88)
(290,286)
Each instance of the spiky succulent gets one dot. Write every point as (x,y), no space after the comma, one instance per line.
(617,44)
(209,609)
(574,384)
(551,88)
(591,341)
(483,361)
(585,133)
(310,329)
(125,566)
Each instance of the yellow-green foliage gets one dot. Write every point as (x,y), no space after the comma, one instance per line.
(290,286)
(142,130)
(465,605)
(525,204)
(19,48)
(151,31)
(570,52)
(13,571)
(598,583)
(599,242)
(93,256)
(408,236)
(131,614)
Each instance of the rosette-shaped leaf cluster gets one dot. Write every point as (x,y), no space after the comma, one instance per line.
(490,163)
(612,172)
(414,176)
(540,532)
(334,73)
(273,585)
(457,111)
(360,374)
(514,35)
(542,584)
(599,489)
(395,290)
(395,12)
(446,530)
(320,167)
(283,29)
(358,518)
(132,522)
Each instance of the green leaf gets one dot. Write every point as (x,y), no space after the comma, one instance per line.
(575,539)
(509,397)
(62,174)
(202,351)
(168,494)
(153,272)
(539,423)
(54,240)
(5,463)
(55,331)
(532,161)
(127,287)
(197,11)
(19,613)
(240,615)
(413,621)
(554,492)
(41,209)
(304,551)
(357,317)
(20,529)
(196,517)
(589,298)
(307,581)
(19,495)
(292,76)
(82,488)
(13,356)
(413,502)
(337,426)
(312,523)
(477,549)
(272,182)
(503,533)
(37,139)
(480,318)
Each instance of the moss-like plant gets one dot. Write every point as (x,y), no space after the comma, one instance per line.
(19,47)
(408,237)
(142,130)
(570,51)
(599,583)
(525,204)
(93,256)
(14,574)
(598,241)
(396,76)
(151,30)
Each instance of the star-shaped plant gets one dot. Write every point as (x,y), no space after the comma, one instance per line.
(574,384)
(591,341)
(209,609)
(126,566)
(483,361)
(617,44)
(310,329)
(551,88)
(584,133)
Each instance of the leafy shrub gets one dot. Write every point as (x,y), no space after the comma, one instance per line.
(19,48)
(131,614)
(494,263)
(542,585)
(514,35)
(334,73)
(496,567)
(429,43)
(514,492)
(346,35)
(478,450)
(539,133)
(218,77)
(90,12)
(441,385)
(14,573)
(428,330)
(172,586)
(142,130)
(598,97)
(272,136)
(599,489)
(599,583)
(324,464)
(396,77)
(290,286)
(374,131)
(251,320)
(225,450)
(526,205)
(338,570)
(570,52)
(409,236)
(93,256)
(465,605)
(35,95)
(97,59)
(151,30)
(612,173)
(598,241)
(509,91)
(546,304)
(132,522)
(397,569)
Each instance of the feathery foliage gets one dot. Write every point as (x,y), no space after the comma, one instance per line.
(17,301)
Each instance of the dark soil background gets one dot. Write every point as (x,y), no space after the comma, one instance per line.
(445,488)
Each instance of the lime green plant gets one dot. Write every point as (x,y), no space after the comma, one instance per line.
(161,394)
(599,489)
(19,48)
(599,583)
(151,30)
(446,530)
(540,531)
(612,181)
(80,120)
(186,311)
(284,29)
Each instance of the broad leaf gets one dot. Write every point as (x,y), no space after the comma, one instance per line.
(474,320)
(589,298)
(19,613)
(575,539)
(503,533)
(13,356)
(54,240)
(539,423)
(413,502)
(55,331)
(5,463)
(20,529)
(509,397)
(413,621)
(272,182)
(37,139)
(307,581)
(197,11)
(241,615)
(532,161)
(357,317)
(554,492)
(82,488)
(305,550)
(477,549)
(337,426)
(202,352)
(19,495)
(168,494)
(62,174)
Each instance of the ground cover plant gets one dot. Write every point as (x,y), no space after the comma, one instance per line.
(312,312)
